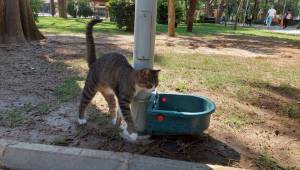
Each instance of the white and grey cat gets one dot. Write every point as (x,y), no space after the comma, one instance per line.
(115,78)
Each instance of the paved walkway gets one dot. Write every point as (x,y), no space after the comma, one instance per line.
(289,30)
(21,156)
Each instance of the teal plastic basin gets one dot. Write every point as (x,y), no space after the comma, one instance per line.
(178,114)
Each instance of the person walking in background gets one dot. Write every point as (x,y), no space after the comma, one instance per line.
(270,16)
(287,17)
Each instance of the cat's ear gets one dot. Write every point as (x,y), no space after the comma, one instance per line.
(155,71)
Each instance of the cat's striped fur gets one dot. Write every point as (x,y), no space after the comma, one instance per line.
(118,82)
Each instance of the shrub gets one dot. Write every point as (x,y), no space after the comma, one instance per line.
(71,8)
(122,12)
(35,6)
(84,8)
(80,8)
(162,12)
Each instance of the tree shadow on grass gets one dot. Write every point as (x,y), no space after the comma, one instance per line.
(254,44)
(274,98)
(285,90)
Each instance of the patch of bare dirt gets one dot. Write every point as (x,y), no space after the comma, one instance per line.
(30,73)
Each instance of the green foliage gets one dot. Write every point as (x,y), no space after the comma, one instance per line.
(267,163)
(35,6)
(122,12)
(84,8)
(162,12)
(14,117)
(42,108)
(71,8)
(80,8)
(291,110)
(69,89)
(60,141)
(231,8)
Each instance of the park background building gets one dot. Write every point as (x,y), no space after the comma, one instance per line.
(99,7)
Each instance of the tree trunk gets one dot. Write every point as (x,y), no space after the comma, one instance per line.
(186,10)
(52,7)
(238,14)
(16,22)
(221,9)
(171,18)
(191,12)
(208,8)
(2,21)
(14,31)
(255,10)
(62,8)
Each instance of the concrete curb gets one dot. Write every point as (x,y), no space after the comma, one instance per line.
(26,156)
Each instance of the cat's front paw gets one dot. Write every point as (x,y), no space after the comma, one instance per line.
(81,121)
(114,121)
(129,137)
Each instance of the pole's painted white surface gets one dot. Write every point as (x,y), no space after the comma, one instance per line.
(144,33)
(143,54)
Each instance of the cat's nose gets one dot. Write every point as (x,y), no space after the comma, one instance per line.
(149,86)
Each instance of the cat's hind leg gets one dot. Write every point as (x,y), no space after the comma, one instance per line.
(111,100)
(88,94)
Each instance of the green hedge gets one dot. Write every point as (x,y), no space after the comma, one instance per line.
(162,12)
(122,12)
(80,8)
(71,8)
(35,6)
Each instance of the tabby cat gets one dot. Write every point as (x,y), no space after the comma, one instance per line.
(118,82)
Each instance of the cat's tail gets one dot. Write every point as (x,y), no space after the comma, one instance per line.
(90,44)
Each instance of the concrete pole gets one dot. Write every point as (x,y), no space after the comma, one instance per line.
(143,54)
(144,33)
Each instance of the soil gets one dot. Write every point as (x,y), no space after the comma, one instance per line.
(29,74)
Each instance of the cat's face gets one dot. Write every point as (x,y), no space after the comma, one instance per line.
(147,79)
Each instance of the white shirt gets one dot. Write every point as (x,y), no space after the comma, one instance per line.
(272,12)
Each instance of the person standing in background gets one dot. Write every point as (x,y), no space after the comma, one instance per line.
(287,17)
(270,16)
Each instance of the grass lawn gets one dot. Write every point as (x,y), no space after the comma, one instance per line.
(243,89)
(71,26)
(254,95)
(245,80)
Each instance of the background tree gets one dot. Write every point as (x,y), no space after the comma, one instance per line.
(222,6)
(83,8)
(62,8)
(255,9)
(122,12)
(208,7)
(71,8)
(238,13)
(162,11)
(52,7)
(16,22)
(171,18)
(36,6)
(191,13)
